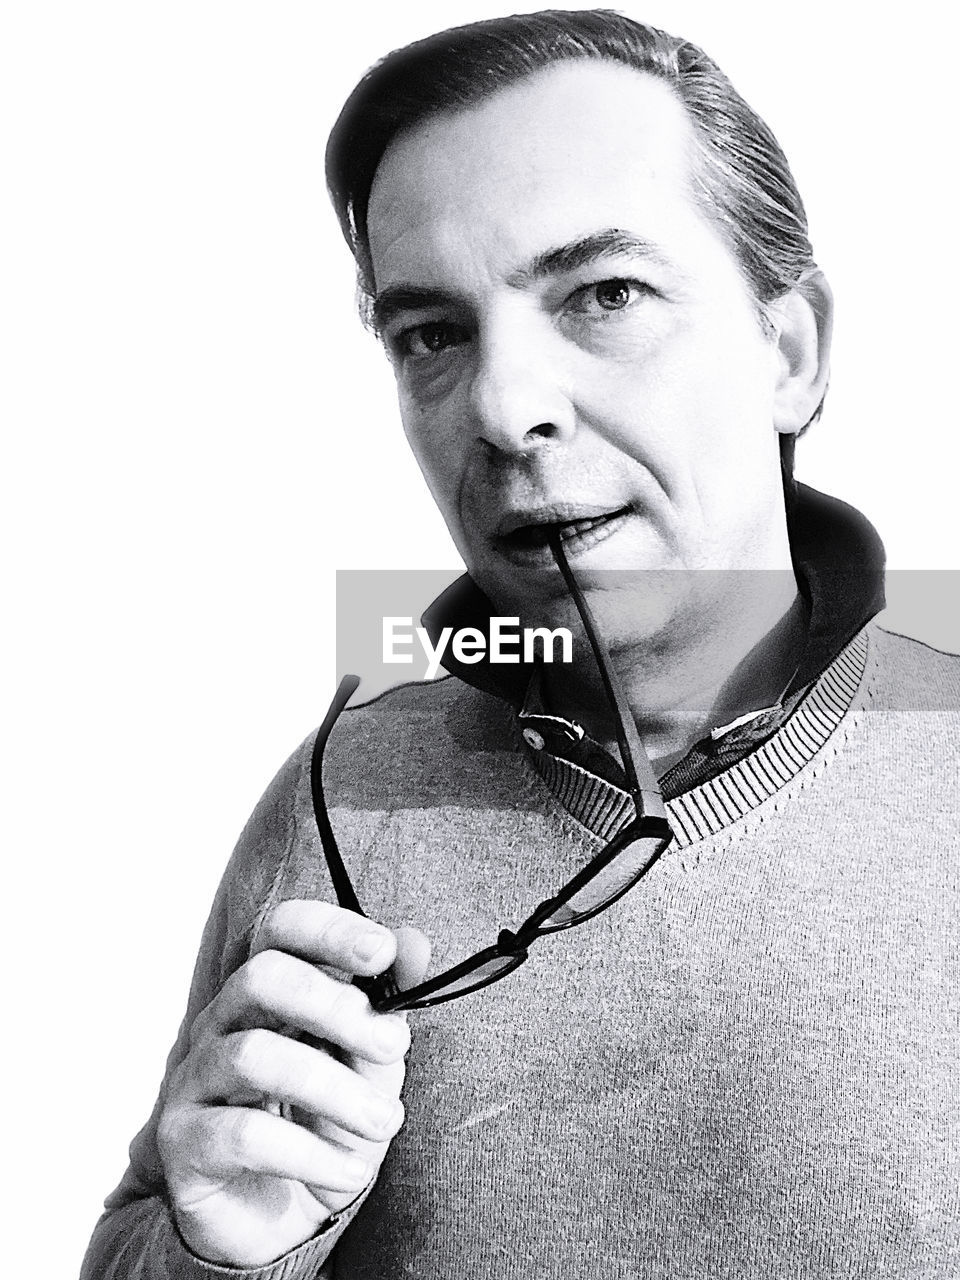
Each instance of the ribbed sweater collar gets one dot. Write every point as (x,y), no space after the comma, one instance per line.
(706,810)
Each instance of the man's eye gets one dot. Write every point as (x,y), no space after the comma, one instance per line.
(425,340)
(607,295)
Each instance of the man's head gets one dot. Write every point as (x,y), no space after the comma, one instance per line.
(589,263)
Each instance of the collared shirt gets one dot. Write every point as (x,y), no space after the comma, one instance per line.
(722,747)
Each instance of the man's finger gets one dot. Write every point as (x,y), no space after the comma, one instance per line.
(220,1142)
(413,960)
(260,1063)
(325,934)
(413,957)
(277,990)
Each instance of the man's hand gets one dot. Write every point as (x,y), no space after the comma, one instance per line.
(263,1135)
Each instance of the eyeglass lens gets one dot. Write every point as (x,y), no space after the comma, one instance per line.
(611,883)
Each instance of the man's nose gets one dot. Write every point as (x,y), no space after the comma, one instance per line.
(520,397)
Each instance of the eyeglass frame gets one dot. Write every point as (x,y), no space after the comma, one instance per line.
(649,823)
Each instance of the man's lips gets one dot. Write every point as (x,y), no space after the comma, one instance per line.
(523,536)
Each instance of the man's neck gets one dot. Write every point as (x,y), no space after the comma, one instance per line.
(691,679)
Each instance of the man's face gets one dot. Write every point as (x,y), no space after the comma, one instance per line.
(572,339)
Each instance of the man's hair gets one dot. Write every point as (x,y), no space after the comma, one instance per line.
(741,177)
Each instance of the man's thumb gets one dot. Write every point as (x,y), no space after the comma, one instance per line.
(413,957)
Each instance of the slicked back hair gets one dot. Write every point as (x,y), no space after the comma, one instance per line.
(741,177)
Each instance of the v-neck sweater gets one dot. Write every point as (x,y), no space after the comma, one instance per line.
(745,1068)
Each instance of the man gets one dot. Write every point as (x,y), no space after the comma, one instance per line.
(588,263)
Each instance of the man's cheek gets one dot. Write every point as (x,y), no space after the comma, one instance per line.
(443,464)
(429,437)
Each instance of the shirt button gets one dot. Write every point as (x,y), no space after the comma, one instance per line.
(534,739)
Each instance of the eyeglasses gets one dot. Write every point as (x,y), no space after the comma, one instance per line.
(610,874)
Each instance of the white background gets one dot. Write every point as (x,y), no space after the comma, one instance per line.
(198,433)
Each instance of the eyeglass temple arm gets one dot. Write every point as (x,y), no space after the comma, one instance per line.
(636,762)
(338,872)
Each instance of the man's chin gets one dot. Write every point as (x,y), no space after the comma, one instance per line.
(628,606)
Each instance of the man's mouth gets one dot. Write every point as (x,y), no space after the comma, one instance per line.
(524,536)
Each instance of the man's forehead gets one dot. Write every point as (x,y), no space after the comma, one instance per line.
(566,148)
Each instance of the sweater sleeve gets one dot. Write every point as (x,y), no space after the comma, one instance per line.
(136,1238)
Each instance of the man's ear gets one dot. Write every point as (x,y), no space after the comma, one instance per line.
(804,321)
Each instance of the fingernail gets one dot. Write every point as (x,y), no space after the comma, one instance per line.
(382,1113)
(369,943)
(390,1035)
(356,1170)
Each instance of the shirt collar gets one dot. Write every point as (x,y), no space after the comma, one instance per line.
(838,559)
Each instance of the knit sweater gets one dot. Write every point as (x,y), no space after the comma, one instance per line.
(746,1068)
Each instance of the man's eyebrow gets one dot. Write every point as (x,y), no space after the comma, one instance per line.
(611,242)
(608,243)
(397,298)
